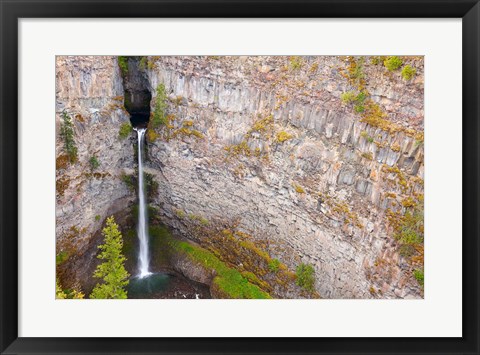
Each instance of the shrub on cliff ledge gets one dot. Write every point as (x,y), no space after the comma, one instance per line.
(298,188)
(296,62)
(274,265)
(67,133)
(410,228)
(151,134)
(306,277)
(129,180)
(94,164)
(393,63)
(125,130)
(358,100)
(419,276)
(123,64)
(159,114)
(283,136)
(61,294)
(408,72)
(348,97)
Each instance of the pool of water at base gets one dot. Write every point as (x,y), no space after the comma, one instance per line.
(166,285)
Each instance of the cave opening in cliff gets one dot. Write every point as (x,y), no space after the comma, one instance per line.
(139,118)
(137,91)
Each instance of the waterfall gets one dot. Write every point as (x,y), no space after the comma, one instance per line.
(143,257)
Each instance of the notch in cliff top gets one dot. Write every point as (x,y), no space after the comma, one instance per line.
(137,90)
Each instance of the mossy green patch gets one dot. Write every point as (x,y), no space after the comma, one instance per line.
(236,286)
(229,280)
(419,276)
(250,276)
(306,276)
(129,244)
(274,265)
(251,258)
(125,130)
(61,257)
(129,180)
(123,64)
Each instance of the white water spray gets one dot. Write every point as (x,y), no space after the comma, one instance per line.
(143,257)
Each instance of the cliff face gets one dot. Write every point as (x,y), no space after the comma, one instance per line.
(264,145)
(279,155)
(90,91)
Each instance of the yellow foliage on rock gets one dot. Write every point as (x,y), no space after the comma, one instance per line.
(283,136)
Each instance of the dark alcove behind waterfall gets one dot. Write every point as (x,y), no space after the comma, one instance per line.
(137,92)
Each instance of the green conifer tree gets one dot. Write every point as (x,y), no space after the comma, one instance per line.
(112,270)
(159,114)
(67,133)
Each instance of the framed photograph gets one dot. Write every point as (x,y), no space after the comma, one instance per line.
(222,177)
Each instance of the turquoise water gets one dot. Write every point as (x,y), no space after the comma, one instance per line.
(166,285)
(154,283)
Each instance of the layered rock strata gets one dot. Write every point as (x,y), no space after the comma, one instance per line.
(320,196)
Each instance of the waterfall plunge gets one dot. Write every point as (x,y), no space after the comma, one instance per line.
(142,231)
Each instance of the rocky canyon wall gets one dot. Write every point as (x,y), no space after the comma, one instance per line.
(271,147)
(265,144)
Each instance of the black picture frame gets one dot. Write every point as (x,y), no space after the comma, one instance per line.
(12,11)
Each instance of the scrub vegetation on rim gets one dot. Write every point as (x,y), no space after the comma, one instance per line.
(239,177)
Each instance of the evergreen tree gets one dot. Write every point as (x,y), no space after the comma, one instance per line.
(159,114)
(67,133)
(112,270)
